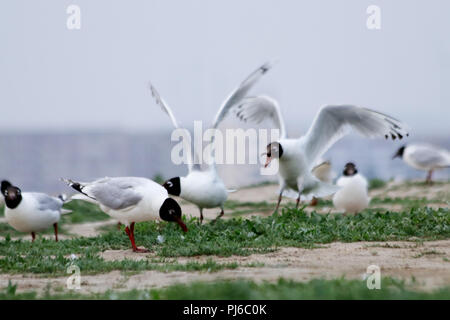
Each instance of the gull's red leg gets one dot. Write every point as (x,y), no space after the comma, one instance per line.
(278,203)
(55,226)
(130,233)
(219,216)
(33,236)
(429,181)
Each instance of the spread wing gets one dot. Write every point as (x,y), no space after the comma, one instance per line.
(165,107)
(257,109)
(240,92)
(333,122)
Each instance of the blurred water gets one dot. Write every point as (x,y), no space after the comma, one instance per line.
(37,161)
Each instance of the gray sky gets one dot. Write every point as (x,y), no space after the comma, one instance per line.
(195,52)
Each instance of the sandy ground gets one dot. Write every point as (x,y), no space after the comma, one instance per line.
(425,262)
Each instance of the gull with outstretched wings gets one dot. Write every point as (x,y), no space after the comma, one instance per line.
(204,187)
(298,156)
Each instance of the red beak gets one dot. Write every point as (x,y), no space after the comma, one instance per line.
(181,224)
(268,159)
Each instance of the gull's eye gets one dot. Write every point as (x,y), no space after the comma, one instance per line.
(169,184)
(6,192)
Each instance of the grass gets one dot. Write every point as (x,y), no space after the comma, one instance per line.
(83,212)
(247,290)
(376,184)
(238,208)
(234,236)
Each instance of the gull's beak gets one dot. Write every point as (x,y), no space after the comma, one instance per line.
(268,160)
(181,224)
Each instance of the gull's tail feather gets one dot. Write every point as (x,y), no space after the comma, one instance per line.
(66,211)
(83,197)
(77,186)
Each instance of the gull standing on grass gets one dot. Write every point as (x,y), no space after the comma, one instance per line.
(130,200)
(353,196)
(298,156)
(203,186)
(424,157)
(31,212)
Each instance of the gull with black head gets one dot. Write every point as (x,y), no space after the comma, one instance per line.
(130,200)
(202,186)
(297,156)
(31,212)
(353,196)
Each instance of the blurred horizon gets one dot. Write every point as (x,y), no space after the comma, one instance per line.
(36,162)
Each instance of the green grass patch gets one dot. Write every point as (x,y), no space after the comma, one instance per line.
(83,211)
(376,184)
(391,289)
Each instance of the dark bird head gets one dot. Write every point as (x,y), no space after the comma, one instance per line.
(399,153)
(274,151)
(12,194)
(173,186)
(171,211)
(350,169)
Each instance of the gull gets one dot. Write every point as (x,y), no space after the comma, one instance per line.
(203,186)
(296,157)
(31,212)
(353,196)
(423,156)
(130,200)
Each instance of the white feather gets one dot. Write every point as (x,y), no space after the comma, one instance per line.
(29,217)
(353,196)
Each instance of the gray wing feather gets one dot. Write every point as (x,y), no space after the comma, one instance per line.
(116,194)
(334,122)
(428,156)
(46,202)
(257,109)
(240,92)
